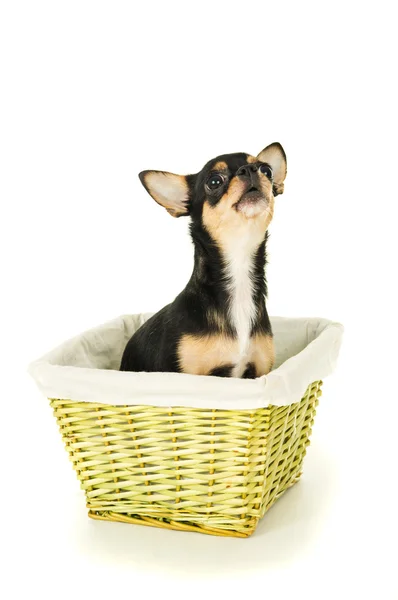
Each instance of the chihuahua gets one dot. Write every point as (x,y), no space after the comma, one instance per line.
(218,325)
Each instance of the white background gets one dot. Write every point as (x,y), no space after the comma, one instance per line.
(91,94)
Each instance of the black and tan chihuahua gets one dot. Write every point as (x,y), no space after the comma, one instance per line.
(219,324)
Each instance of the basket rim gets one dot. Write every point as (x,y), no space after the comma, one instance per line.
(59,375)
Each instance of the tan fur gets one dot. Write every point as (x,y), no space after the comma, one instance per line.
(278,188)
(263,353)
(225,224)
(220,166)
(199,355)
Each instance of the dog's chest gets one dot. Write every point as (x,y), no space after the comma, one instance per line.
(241,309)
(224,353)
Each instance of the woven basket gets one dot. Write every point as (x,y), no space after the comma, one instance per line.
(204,469)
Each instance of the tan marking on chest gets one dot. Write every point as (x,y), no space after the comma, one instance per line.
(200,354)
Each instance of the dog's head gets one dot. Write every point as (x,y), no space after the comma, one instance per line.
(233,193)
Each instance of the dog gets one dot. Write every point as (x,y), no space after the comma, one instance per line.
(218,325)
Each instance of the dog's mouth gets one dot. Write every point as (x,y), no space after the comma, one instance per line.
(254,193)
(250,198)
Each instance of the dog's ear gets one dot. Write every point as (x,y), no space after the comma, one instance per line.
(275,156)
(169,190)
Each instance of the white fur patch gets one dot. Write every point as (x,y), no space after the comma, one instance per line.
(239,263)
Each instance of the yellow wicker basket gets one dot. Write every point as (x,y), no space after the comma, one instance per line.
(210,470)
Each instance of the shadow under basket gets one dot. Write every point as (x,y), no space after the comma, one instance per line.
(212,471)
(186,452)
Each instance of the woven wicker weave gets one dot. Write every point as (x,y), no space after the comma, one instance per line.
(212,471)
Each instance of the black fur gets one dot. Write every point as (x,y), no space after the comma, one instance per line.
(224,371)
(250,372)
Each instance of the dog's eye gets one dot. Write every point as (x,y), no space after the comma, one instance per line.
(266,170)
(214,182)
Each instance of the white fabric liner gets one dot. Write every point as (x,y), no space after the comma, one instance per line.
(85,369)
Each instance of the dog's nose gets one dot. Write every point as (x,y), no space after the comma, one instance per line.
(247,171)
